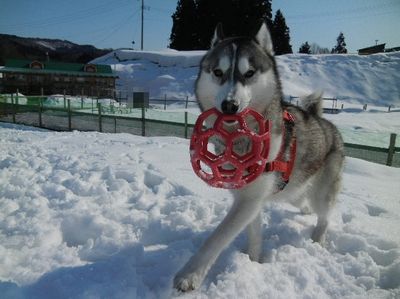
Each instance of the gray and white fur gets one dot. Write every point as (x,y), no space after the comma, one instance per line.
(241,72)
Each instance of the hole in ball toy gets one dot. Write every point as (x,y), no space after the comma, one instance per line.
(242,146)
(252,123)
(230,126)
(206,169)
(216,145)
(227,170)
(208,123)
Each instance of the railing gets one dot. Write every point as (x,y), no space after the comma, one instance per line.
(64,114)
(93,115)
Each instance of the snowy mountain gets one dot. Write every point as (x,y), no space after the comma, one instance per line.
(15,47)
(373,79)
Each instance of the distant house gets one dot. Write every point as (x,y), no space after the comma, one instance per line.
(35,77)
(372,50)
(394,49)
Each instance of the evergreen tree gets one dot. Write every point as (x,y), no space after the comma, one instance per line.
(340,47)
(183,34)
(305,48)
(238,17)
(280,35)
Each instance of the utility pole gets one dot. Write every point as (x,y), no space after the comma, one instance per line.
(141,36)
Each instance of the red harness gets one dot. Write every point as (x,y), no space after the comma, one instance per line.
(280,164)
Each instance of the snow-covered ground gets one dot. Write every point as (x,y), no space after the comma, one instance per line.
(92,215)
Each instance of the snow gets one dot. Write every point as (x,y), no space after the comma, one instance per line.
(352,79)
(94,215)
(45,44)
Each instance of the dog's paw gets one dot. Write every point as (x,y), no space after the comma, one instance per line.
(187,282)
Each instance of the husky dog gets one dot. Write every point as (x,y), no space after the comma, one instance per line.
(241,72)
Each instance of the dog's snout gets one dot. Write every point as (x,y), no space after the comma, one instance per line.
(229,107)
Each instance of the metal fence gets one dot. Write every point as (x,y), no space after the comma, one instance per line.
(94,116)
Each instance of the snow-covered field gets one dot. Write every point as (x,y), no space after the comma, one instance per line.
(92,215)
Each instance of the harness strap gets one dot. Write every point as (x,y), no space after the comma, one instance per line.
(280,164)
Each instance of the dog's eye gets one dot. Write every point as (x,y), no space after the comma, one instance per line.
(218,73)
(249,74)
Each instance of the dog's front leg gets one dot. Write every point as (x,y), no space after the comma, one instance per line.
(241,214)
(254,235)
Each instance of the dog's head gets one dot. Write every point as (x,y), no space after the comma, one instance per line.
(237,73)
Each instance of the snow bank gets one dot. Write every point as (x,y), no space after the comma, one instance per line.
(165,58)
(91,215)
(372,79)
(350,78)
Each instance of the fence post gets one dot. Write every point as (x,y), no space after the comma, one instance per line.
(100,124)
(143,121)
(65,102)
(186,124)
(187,100)
(69,116)
(115,125)
(40,112)
(14,108)
(165,101)
(391,149)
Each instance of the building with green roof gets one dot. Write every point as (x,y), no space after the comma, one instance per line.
(36,77)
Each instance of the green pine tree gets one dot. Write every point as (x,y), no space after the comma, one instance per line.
(194,21)
(184,35)
(305,48)
(340,47)
(281,35)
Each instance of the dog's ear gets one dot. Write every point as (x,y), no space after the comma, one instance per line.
(313,103)
(263,37)
(218,35)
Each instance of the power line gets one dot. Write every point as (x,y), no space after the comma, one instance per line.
(76,16)
(362,11)
(118,27)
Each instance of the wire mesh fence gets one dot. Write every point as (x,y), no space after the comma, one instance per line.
(92,115)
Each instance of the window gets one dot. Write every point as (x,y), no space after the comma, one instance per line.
(90,68)
(36,65)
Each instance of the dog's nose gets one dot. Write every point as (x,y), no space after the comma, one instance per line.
(229,107)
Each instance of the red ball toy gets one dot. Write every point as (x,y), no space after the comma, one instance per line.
(230,151)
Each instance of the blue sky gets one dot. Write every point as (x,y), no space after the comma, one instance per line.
(115,24)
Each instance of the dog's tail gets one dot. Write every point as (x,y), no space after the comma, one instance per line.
(313,103)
